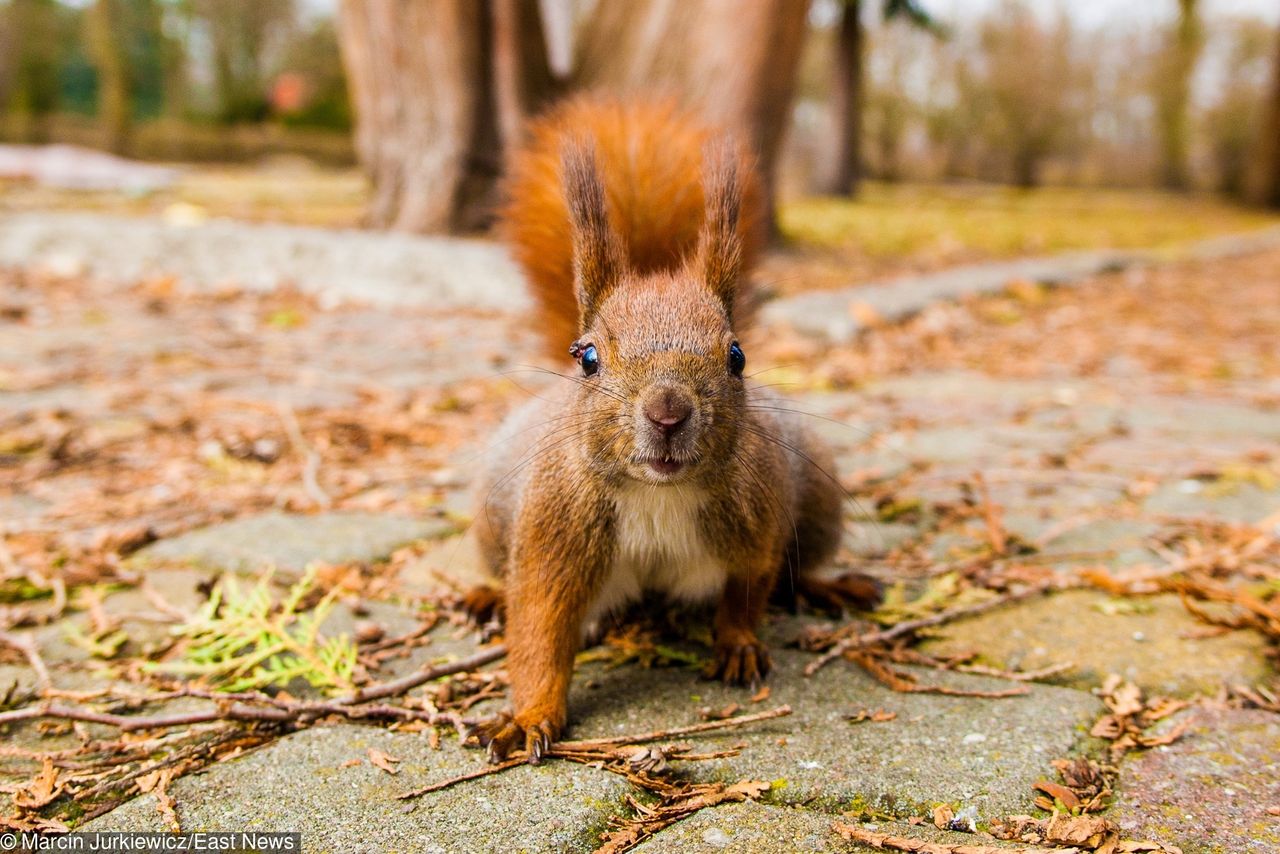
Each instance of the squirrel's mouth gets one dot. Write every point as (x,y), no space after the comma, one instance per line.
(665,466)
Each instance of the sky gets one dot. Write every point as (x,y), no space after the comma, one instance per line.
(1095,12)
(1086,12)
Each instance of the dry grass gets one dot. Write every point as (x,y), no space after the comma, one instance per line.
(891,229)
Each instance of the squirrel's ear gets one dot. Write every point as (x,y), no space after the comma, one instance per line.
(719,258)
(597,250)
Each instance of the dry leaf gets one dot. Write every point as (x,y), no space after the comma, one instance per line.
(40,791)
(1058,792)
(384,761)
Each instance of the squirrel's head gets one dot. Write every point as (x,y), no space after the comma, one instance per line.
(661,385)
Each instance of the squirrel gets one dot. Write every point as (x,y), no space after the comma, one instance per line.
(655,468)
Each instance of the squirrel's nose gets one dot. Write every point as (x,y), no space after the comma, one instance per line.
(668,412)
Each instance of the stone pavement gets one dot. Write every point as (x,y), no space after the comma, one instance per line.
(1104,470)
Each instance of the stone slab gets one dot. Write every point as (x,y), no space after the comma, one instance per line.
(300,784)
(1144,640)
(289,542)
(756,828)
(961,750)
(1209,792)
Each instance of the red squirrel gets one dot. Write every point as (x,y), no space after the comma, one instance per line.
(655,467)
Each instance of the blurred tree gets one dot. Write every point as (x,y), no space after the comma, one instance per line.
(1232,122)
(1266,179)
(1172,83)
(33,96)
(848,85)
(735,62)
(244,36)
(109,46)
(1035,85)
(310,54)
(439,88)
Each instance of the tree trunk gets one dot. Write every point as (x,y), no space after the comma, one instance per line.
(847,99)
(440,89)
(34,67)
(107,46)
(1265,186)
(1174,95)
(735,62)
(1026,167)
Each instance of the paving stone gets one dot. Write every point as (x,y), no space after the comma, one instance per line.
(290,542)
(300,784)
(1124,538)
(455,560)
(967,751)
(756,828)
(1208,792)
(1244,502)
(1141,639)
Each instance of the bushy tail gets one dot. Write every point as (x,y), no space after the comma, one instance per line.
(651,159)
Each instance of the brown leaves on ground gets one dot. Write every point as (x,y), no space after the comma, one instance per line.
(382,759)
(174,418)
(1085,786)
(1177,322)
(877,716)
(889,842)
(1073,833)
(40,791)
(648,820)
(157,783)
(1130,715)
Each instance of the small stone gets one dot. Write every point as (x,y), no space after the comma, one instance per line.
(974,738)
(717,837)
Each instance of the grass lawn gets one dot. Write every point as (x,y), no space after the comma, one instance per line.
(892,228)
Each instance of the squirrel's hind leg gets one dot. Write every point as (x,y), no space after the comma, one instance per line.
(819,524)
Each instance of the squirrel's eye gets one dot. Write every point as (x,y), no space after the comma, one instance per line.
(590,361)
(737,359)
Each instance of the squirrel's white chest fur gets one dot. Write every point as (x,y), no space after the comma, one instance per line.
(659,548)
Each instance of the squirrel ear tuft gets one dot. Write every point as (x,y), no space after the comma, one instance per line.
(597,250)
(719,258)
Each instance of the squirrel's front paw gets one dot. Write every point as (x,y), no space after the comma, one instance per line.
(741,660)
(504,733)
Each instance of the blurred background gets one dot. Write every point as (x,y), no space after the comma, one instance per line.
(916,132)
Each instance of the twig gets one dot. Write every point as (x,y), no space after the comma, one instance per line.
(907,627)
(252,707)
(311,464)
(462,778)
(413,680)
(659,735)
(26,645)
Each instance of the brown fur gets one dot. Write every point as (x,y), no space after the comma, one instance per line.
(650,154)
(663,468)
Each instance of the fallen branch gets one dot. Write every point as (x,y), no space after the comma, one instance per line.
(26,644)
(261,708)
(407,683)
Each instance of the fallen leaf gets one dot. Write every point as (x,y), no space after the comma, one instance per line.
(1058,792)
(384,761)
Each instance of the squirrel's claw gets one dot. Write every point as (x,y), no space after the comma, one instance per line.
(504,733)
(740,664)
